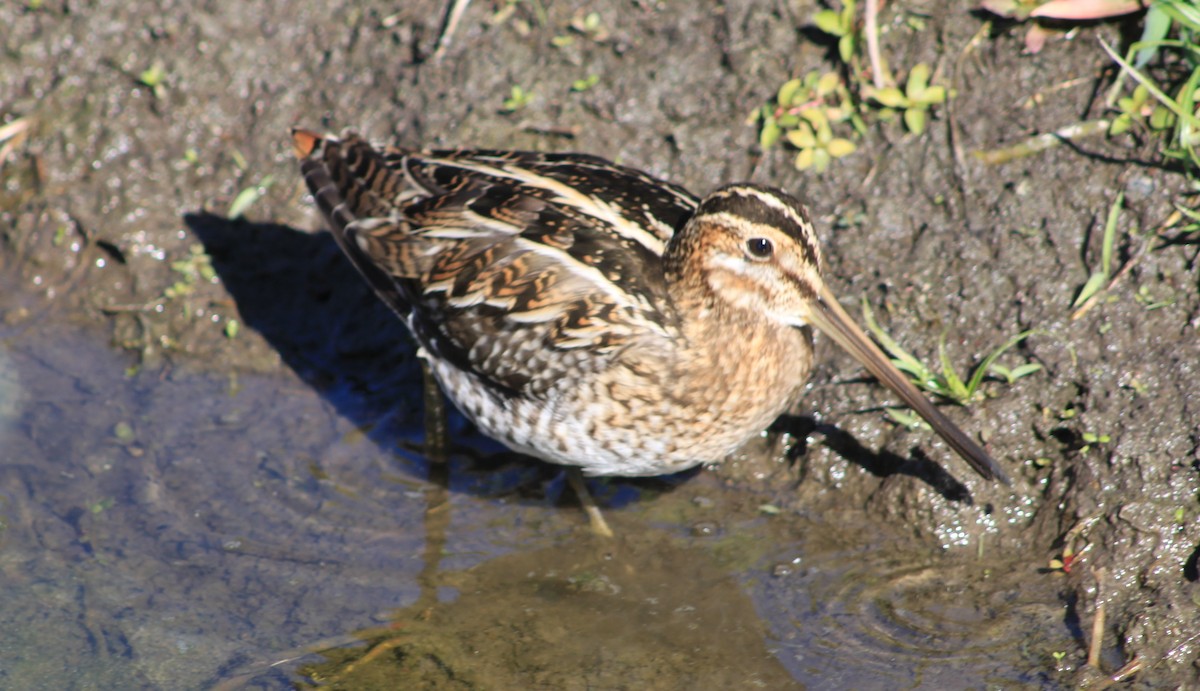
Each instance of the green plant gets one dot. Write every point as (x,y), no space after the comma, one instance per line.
(1138,108)
(807,111)
(248,196)
(1183,120)
(916,99)
(155,78)
(197,266)
(804,112)
(1101,276)
(517,99)
(585,83)
(840,25)
(948,384)
(1146,299)
(1091,439)
(813,138)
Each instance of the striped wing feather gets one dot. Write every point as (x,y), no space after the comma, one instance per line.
(513,266)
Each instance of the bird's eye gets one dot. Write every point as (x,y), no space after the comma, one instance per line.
(759,248)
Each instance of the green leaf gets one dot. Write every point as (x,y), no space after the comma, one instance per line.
(1161,119)
(816,116)
(918,79)
(934,95)
(247,197)
(906,418)
(788,91)
(585,83)
(846,48)
(802,138)
(901,358)
(821,159)
(1023,371)
(914,120)
(1120,125)
(804,159)
(1157,22)
(840,147)
(769,134)
(1094,283)
(989,362)
(829,22)
(890,97)
(828,83)
(1110,234)
(958,390)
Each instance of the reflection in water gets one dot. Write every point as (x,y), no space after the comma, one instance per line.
(642,611)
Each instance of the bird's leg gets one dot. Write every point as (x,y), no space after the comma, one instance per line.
(436,435)
(595,518)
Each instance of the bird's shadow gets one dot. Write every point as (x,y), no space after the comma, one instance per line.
(304,297)
(878,463)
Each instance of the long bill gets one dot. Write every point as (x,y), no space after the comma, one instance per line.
(828,316)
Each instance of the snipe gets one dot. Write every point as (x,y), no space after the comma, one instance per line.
(589,314)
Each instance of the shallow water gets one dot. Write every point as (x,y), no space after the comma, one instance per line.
(170,528)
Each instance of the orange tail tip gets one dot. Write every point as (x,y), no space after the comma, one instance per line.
(304,142)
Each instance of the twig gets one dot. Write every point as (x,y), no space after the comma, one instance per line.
(12,135)
(871,30)
(1097,623)
(1042,142)
(453,15)
(956,148)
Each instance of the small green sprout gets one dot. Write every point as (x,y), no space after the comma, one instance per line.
(102,505)
(590,25)
(1139,108)
(1144,298)
(518,98)
(1100,277)
(947,384)
(916,99)
(1012,375)
(1091,439)
(123,431)
(155,78)
(840,25)
(585,83)
(197,266)
(906,418)
(248,196)
(232,327)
